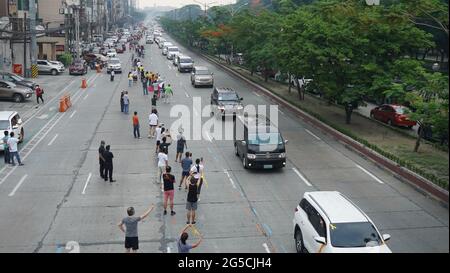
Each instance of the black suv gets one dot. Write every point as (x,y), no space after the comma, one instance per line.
(225,102)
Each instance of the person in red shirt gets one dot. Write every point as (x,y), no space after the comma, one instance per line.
(136,126)
(39,92)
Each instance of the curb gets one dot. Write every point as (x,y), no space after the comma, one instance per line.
(420,183)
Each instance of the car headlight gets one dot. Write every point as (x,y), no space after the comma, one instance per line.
(251,156)
(282,155)
(221,108)
(240,107)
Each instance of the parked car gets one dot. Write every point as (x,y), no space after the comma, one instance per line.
(78,67)
(184,63)
(16,79)
(392,114)
(10,121)
(148,40)
(59,64)
(114,64)
(201,76)
(9,90)
(328,222)
(46,67)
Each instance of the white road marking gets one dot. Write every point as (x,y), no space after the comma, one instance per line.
(18,185)
(51,108)
(168,250)
(196,112)
(187,95)
(281,112)
(53,139)
(302,177)
(177,74)
(309,132)
(256,94)
(229,178)
(44,116)
(370,174)
(73,114)
(266,247)
(86,97)
(87,182)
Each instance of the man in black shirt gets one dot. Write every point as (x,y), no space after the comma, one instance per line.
(108,164)
(169,181)
(101,159)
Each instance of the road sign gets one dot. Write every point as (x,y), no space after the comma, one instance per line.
(18,69)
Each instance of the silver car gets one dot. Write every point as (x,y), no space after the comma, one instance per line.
(184,63)
(46,67)
(201,76)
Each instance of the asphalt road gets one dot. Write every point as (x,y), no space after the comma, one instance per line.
(58,196)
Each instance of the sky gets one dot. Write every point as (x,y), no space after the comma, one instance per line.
(180,3)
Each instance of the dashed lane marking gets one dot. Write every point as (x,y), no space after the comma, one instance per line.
(18,185)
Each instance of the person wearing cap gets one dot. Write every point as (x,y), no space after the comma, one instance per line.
(101,159)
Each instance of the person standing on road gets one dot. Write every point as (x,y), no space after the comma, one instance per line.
(13,152)
(181,144)
(153,122)
(192,198)
(169,181)
(183,246)
(197,172)
(121,101)
(112,75)
(164,146)
(186,164)
(131,232)
(136,126)
(168,93)
(154,100)
(108,156)
(101,159)
(159,131)
(39,92)
(130,79)
(126,103)
(6,147)
(145,85)
(162,164)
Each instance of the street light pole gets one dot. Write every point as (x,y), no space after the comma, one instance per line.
(33,43)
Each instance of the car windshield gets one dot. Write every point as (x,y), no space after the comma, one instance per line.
(400,110)
(172,49)
(265,139)
(114,61)
(361,234)
(202,72)
(185,60)
(228,96)
(4,125)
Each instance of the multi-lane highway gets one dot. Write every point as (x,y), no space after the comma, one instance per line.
(58,196)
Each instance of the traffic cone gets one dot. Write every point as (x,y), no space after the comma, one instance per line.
(84,84)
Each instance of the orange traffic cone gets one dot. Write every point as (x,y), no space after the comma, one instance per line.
(84,84)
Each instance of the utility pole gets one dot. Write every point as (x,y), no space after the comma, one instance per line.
(33,43)
(77,32)
(24,44)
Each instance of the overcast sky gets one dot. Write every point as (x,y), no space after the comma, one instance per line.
(180,3)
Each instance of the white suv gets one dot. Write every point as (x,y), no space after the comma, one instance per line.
(10,121)
(328,222)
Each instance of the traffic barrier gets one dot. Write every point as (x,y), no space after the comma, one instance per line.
(64,103)
(84,84)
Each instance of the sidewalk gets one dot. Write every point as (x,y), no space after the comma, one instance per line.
(428,160)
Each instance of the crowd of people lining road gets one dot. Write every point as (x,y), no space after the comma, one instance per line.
(192,176)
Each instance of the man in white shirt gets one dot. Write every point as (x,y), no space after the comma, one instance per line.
(13,152)
(197,172)
(153,122)
(163,160)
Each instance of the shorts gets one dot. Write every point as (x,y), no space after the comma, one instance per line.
(153,126)
(169,195)
(180,150)
(191,206)
(132,242)
(185,174)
